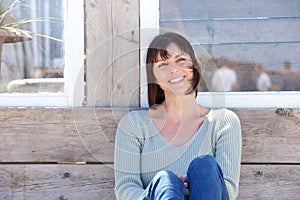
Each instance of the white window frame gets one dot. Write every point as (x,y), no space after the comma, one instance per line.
(73,94)
(149,20)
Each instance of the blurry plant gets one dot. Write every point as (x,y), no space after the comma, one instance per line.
(9,23)
(17,29)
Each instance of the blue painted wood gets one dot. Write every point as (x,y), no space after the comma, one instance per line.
(211,9)
(258,31)
(239,31)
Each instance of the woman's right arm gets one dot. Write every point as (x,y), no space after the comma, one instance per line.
(128,146)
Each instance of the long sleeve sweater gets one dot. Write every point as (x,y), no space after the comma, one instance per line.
(141,151)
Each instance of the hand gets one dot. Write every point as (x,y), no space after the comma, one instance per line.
(186,185)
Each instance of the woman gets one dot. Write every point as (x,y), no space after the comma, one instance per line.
(176,148)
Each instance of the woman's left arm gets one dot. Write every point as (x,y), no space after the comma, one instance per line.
(228,149)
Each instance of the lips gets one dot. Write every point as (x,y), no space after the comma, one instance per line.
(176,80)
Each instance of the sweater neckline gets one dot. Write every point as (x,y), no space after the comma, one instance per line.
(149,120)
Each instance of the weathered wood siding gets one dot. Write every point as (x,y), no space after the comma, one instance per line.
(87,135)
(112,48)
(68,153)
(56,182)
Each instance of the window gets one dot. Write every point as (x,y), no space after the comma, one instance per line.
(247,37)
(51,62)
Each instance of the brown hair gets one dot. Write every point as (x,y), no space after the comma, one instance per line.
(157,47)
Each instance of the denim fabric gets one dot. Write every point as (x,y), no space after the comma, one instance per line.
(165,185)
(205,179)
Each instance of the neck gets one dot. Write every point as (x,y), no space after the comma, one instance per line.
(180,106)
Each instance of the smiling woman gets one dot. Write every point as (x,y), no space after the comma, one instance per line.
(165,50)
(171,153)
(174,74)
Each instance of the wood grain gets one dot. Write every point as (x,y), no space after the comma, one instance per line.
(269,137)
(57,182)
(87,135)
(58,135)
(112,45)
(270,182)
(270,160)
(96,181)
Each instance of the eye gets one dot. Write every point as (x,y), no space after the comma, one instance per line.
(181,59)
(162,65)
(184,62)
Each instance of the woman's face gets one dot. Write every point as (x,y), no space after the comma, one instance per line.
(175,73)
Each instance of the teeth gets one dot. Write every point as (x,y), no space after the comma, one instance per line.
(176,80)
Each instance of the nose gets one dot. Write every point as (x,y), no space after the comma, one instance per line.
(173,70)
(174,66)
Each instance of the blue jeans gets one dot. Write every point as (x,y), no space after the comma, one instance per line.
(204,178)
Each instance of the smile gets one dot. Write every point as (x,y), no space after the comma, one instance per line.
(175,80)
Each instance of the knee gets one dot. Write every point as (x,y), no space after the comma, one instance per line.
(204,164)
(205,160)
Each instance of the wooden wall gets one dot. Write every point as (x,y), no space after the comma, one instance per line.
(112,47)
(68,153)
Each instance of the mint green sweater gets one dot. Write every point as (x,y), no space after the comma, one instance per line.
(141,151)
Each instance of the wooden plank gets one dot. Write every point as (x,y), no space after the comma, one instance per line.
(96,129)
(112,53)
(38,182)
(269,137)
(97,182)
(270,182)
(40,135)
(58,135)
(98,52)
(125,62)
(87,135)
